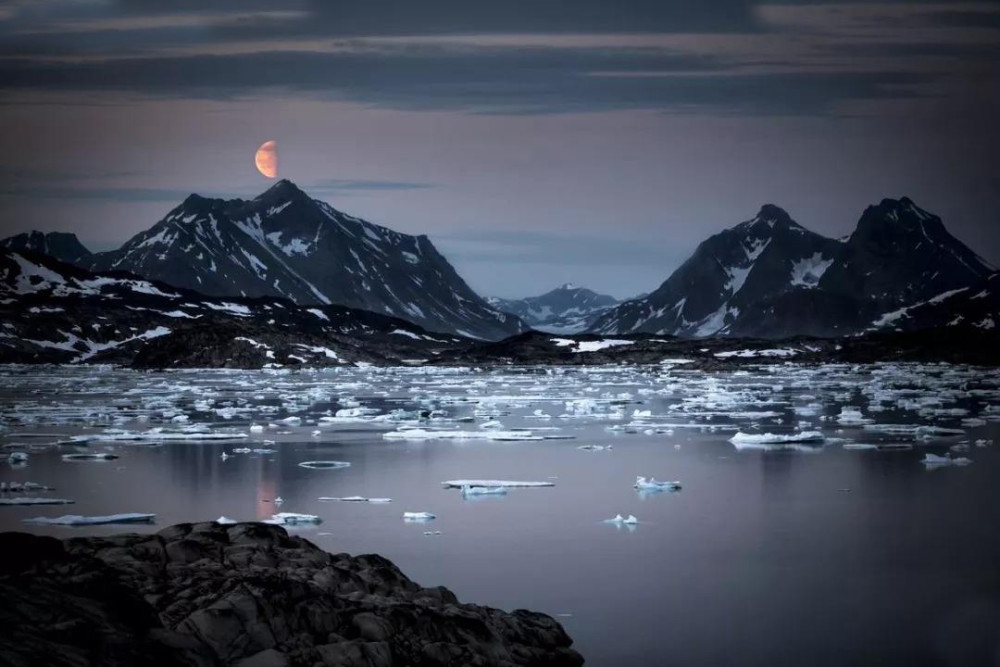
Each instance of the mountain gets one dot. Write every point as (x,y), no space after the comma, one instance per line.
(566,309)
(54,312)
(285,244)
(61,245)
(770,277)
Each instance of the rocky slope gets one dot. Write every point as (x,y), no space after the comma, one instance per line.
(63,246)
(244,594)
(566,309)
(285,244)
(771,277)
(57,313)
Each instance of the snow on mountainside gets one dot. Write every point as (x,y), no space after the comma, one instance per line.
(566,309)
(63,246)
(771,277)
(285,244)
(55,312)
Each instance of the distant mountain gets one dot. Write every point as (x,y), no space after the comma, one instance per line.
(285,244)
(61,245)
(770,277)
(54,312)
(566,309)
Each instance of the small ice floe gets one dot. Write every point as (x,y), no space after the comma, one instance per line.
(489,434)
(932,461)
(354,499)
(225,521)
(459,483)
(279,500)
(317,433)
(492,424)
(158,434)
(619,520)
(852,416)
(256,428)
(418,516)
(595,448)
(291,519)
(653,484)
(859,445)
(77,520)
(432,532)
(324,465)
(484,490)
(223,456)
(16,458)
(263,450)
(21,500)
(95,456)
(241,450)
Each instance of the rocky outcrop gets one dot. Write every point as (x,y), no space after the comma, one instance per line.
(246,594)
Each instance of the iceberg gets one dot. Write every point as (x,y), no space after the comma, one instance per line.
(77,520)
(418,516)
(354,499)
(459,483)
(652,484)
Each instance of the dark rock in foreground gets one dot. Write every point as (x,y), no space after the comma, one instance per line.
(244,594)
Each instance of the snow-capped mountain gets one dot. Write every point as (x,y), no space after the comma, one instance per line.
(285,244)
(61,245)
(771,277)
(54,312)
(566,309)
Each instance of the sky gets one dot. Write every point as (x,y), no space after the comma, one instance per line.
(536,142)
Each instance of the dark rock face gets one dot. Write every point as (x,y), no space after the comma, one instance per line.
(566,309)
(770,277)
(244,594)
(63,246)
(53,312)
(285,244)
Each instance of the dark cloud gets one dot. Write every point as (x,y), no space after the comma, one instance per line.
(536,80)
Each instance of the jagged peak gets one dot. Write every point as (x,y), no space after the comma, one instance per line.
(284,189)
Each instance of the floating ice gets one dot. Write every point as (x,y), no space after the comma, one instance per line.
(18,487)
(355,499)
(459,483)
(324,465)
(77,520)
(418,516)
(427,434)
(630,520)
(653,484)
(935,461)
(35,501)
(596,448)
(773,439)
(291,519)
(17,457)
(95,456)
(484,490)
(225,521)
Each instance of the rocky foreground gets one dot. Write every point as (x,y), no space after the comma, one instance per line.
(246,594)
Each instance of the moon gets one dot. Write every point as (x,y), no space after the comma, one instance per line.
(266,158)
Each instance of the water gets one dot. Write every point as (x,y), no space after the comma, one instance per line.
(821,555)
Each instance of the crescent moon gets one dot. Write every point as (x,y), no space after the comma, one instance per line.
(266,159)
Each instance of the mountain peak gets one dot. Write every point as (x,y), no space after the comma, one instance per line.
(567,286)
(773,213)
(284,188)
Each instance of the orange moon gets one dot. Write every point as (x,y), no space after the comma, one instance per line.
(266,159)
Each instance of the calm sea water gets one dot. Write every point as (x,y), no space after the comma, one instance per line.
(818,555)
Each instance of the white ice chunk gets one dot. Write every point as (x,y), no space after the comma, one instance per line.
(77,520)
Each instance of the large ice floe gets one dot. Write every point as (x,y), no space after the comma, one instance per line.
(493,483)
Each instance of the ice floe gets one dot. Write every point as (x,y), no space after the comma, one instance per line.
(354,499)
(22,500)
(653,484)
(78,520)
(510,484)
(324,465)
